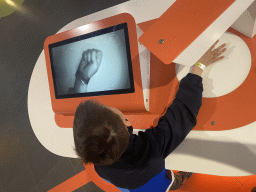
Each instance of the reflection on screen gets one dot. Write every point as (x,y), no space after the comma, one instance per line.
(94,64)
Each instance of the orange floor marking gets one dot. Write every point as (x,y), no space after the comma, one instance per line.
(73,183)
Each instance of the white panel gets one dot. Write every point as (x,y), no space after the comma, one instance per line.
(223,153)
(144,56)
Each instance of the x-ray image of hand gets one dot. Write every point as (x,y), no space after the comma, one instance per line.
(89,64)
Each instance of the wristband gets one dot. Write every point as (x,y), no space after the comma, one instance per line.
(200,65)
(83,80)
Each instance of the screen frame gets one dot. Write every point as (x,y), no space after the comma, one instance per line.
(135,100)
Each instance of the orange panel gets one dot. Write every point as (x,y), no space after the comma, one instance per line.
(243,180)
(248,186)
(144,26)
(180,25)
(138,121)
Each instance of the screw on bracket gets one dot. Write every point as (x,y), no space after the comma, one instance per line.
(161,41)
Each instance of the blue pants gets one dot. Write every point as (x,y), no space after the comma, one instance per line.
(158,183)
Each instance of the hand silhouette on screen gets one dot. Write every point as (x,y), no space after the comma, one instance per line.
(88,66)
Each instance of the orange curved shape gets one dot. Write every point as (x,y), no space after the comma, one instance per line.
(82,178)
(99,181)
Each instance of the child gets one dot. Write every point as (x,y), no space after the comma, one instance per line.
(137,162)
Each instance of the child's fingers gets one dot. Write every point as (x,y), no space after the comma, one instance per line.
(222,46)
(214,45)
(223,50)
(94,56)
(219,58)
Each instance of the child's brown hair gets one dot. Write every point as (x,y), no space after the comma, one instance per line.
(100,135)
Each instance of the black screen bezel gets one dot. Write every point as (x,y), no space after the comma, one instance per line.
(91,35)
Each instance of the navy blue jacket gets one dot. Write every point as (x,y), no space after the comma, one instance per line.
(145,156)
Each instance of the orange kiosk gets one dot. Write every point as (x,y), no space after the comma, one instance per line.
(117,81)
(163,42)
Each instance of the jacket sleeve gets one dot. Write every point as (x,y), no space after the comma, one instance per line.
(178,120)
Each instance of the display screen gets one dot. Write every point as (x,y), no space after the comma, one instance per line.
(93,64)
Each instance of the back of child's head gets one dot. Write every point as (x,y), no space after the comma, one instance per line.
(100,135)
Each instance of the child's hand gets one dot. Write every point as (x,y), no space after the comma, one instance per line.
(211,55)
